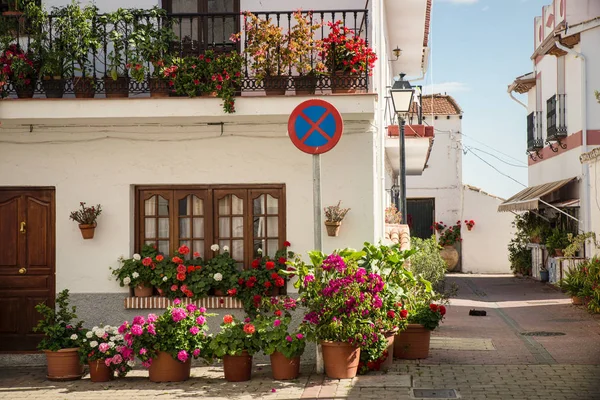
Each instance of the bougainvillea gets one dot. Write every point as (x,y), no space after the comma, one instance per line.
(345,51)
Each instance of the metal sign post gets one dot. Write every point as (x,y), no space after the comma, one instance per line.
(315,127)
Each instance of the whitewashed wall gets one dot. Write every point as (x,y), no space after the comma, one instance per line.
(104,171)
(484,249)
(595,195)
(590,47)
(573,91)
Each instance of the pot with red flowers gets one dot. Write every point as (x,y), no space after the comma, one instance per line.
(235,344)
(343,302)
(281,344)
(19,68)
(137,271)
(167,343)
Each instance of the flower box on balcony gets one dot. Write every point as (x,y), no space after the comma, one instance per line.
(411,131)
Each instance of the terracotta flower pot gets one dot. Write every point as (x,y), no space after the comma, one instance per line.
(54,87)
(275,85)
(237,368)
(343,82)
(64,365)
(284,368)
(159,87)
(413,343)
(118,88)
(25,91)
(87,230)
(165,368)
(333,228)
(99,372)
(84,88)
(535,239)
(389,337)
(340,359)
(305,84)
(450,256)
(576,301)
(143,290)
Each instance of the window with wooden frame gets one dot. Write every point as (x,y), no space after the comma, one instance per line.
(246,218)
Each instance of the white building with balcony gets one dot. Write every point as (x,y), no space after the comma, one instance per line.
(176,170)
(562,118)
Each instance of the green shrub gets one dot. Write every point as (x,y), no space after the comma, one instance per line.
(427,261)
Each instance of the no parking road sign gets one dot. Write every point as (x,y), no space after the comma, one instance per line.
(315,126)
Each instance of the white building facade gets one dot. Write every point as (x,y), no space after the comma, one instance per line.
(174,171)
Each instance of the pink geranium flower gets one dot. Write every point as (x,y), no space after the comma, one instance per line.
(182,356)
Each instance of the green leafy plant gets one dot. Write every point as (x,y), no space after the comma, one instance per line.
(180,331)
(224,77)
(138,269)
(105,343)
(182,275)
(450,235)
(120,22)
(557,241)
(345,51)
(273,325)
(335,213)
(426,260)
(236,337)
(86,215)
(18,66)
(425,313)
(58,326)
(574,281)
(220,271)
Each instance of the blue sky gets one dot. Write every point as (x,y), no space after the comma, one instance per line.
(478,47)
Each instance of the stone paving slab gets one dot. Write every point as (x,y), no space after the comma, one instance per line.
(470,344)
(383,381)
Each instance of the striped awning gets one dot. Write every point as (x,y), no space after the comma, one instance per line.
(529,198)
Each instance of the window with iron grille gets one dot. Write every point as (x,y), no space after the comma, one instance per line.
(244,218)
(551,116)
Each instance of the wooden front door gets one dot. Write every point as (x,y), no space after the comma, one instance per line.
(26,263)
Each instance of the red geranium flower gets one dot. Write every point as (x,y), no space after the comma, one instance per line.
(391,314)
(181,276)
(282,260)
(196,254)
(257,298)
(160,257)
(269,265)
(191,269)
(198,267)
(249,329)
(274,275)
(403,314)
(228,319)
(177,260)
(147,261)
(240,281)
(442,310)
(286,244)
(181,268)
(279,282)
(232,292)
(174,288)
(268,284)
(256,263)
(183,250)
(433,307)
(278,313)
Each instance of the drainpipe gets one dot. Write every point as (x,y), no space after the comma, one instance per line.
(510,93)
(584,166)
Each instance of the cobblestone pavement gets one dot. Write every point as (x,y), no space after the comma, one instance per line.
(479,357)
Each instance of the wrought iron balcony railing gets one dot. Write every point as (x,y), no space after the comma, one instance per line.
(193,34)
(556,118)
(534,131)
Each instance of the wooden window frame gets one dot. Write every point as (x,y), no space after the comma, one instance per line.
(202,6)
(210,195)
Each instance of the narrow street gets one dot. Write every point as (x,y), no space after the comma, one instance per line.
(532,344)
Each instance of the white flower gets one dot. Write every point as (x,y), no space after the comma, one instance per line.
(259,250)
(214,247)
(164,278)
(89,334)
(73,337)
(118,338)
(111,344)
(84,340)
(135,275)
(131,363)
(137,257)
(226,248)
(99,332)
(93,344)
(127,280)
(218,277)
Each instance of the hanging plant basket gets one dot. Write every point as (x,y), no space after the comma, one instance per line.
(333,228)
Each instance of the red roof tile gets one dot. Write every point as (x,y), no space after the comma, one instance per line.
(438,104)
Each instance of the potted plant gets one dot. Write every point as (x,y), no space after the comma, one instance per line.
(19,68)
(225,78)
(137,271)
(116,79)
(339,297)
(187,75)
(86,218)
(423,317)
(150,39)
(62,338)
(235,344)
(105,351)
(282,346)
(334,215)
(77,28)
(166,344)
(574,283)
(347,57)
(182,275)
(304,49)
(220,270)
(556,242)
(268,53)
(449,236)
(469,224)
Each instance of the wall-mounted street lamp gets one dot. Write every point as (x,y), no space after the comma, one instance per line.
(397,53)
(402,97)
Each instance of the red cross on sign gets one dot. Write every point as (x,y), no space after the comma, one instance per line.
(315,126)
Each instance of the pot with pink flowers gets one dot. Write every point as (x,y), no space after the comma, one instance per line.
(106,353)
(166,344)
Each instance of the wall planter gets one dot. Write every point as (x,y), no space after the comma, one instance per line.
(340,359)
(64,365)
(275,85)
(84,88)
(143,290)
(284,368)
(54,87)
(413,343)
(165,368)
(333,228)
(99,372)
(25,91)
(87,230)
(305,84)
(237,368)
(450,256)
(116,88)
(159,87)
(343,82)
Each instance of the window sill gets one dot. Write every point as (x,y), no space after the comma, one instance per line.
(158,302)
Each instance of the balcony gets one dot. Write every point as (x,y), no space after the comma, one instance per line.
(534,131)
(189,35)
(418,140)
(556,118)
